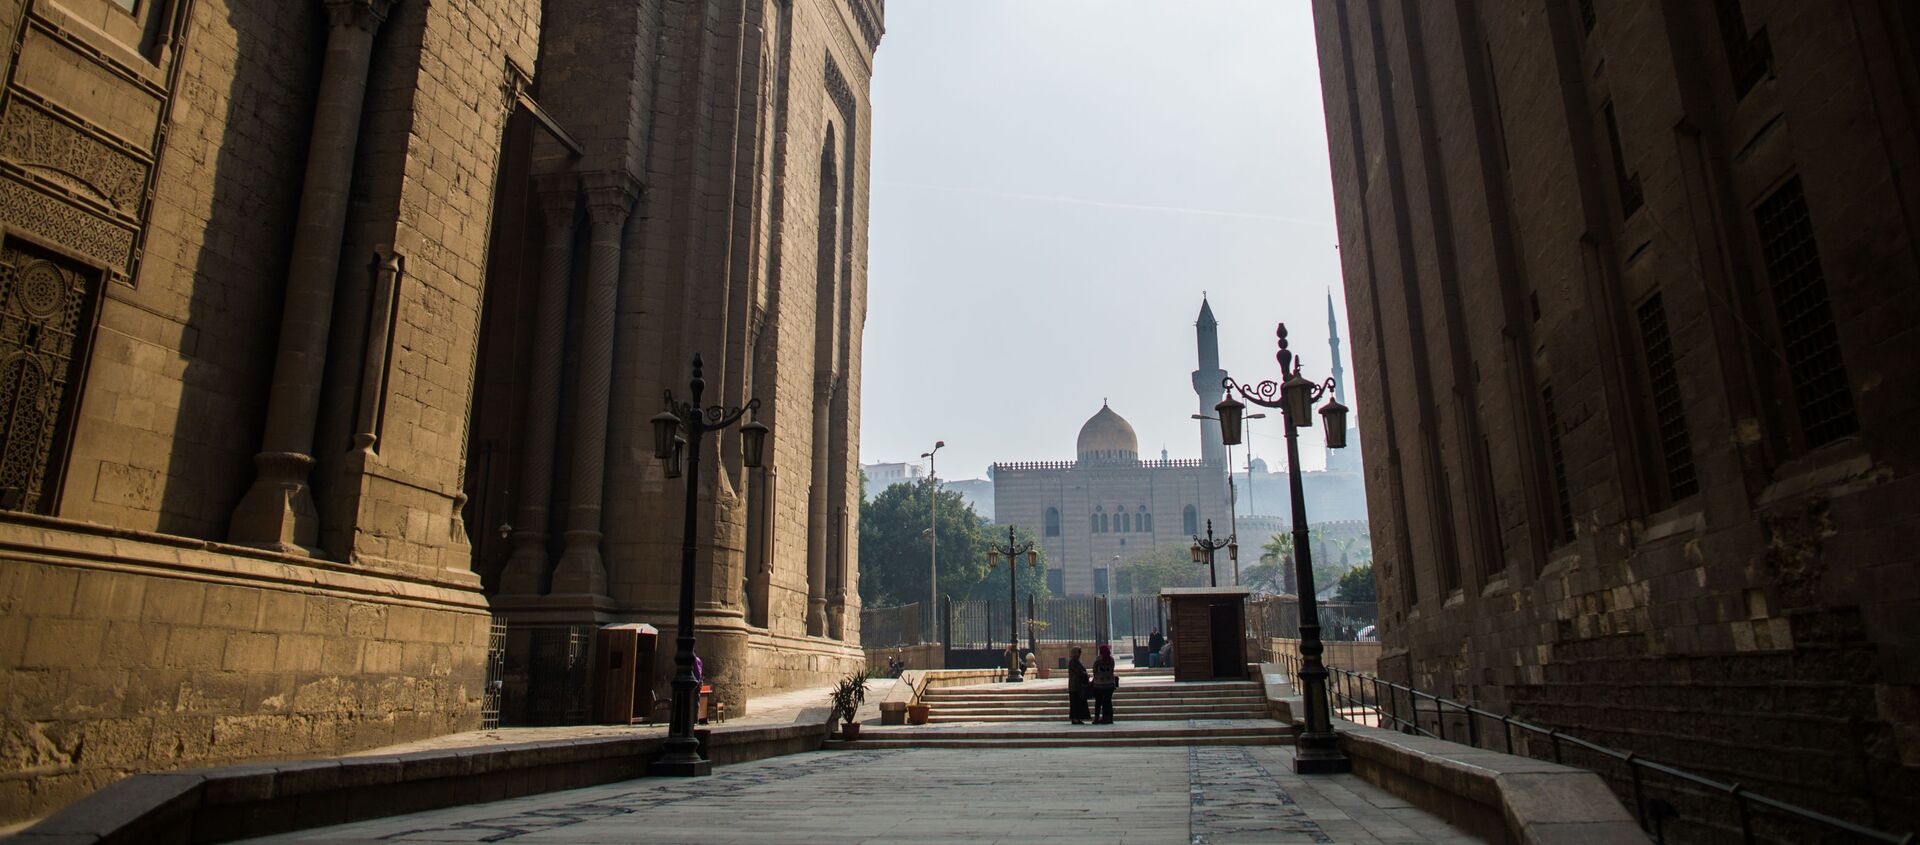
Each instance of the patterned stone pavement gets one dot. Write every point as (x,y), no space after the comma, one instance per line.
(1201,795)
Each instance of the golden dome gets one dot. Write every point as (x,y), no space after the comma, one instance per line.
(1108,437)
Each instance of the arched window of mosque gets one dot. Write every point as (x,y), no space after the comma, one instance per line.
(1146,522)
(1126,521)
(1104,525)
(1053,522)
(1190,520)
(1093,521)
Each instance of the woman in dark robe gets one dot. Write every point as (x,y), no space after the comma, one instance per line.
(1077,689)
(1102,685)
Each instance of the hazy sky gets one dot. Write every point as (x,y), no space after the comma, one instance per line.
(1055,182)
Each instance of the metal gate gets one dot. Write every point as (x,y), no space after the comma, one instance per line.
(496,675)
(977,629)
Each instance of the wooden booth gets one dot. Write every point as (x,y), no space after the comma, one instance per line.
(626,655)
(1208,629)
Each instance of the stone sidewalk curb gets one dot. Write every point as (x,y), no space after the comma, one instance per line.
(227,803)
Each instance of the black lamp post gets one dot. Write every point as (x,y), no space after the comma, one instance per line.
(1319,750)
(677,432)
(1208,546)
(1013,551)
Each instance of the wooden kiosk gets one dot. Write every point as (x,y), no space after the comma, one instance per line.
(1208,629)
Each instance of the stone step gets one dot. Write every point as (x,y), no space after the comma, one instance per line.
(1048,735)
(1038,691)
(1186,712)
(1138,695)
(1169,727)
(1061,717)
(1123,697)
(1065,742)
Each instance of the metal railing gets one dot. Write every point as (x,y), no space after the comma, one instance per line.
(1354,694)
(904,625)
(1279,616)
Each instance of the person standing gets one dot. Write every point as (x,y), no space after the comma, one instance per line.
(1102,685)
(1077,688)
(1155,642)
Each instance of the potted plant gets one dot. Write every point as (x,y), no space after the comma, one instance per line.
(917,713)
(847,696)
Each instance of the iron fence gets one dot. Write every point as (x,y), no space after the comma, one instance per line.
(1272,617)
(888,627)
(1682,798)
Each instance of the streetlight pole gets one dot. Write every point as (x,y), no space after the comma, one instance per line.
(1318,747)
(1012,551)
(933,526)
(677,432)
(1209,545)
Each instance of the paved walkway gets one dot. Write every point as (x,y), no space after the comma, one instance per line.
(1198,795)
(809,705)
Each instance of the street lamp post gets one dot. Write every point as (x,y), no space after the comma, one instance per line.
(933,527)
(1209,545)
(1013,551)
(1319,751)
(677,432)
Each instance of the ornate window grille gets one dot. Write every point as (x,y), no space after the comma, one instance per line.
(1669,414)
(1808,336)
(1558,464)
(46,321)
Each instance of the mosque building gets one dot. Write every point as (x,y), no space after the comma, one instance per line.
(1093,512)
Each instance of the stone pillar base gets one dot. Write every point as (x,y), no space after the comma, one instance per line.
(277,512)
(580,571)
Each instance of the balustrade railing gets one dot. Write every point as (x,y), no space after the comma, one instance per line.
(1376,702)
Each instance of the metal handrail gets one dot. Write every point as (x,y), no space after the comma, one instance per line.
(1344,681)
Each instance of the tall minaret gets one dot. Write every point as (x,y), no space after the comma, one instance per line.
(1336,460)
(1333,340)
(1206,383)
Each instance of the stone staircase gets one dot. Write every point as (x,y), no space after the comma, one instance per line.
(1141,697)
(1150,709)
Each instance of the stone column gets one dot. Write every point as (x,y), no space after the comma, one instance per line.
(609,199)
(527,566)
(817,512)
(277,512)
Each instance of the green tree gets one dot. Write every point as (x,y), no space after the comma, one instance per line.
(1276,555)
(1152,570)
(1264,577)
(894,548)
(1356,585)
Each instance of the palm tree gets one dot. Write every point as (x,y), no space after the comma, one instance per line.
(1279,550)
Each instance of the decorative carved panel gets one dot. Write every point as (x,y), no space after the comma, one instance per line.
(46,321)
(87,234)
(54,149)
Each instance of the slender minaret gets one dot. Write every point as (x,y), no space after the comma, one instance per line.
(1333,340)
(1336,460)
(1206,384)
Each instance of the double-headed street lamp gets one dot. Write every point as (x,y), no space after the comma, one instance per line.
(1013,551)
(1203,551)
(677,432)
(1319,750)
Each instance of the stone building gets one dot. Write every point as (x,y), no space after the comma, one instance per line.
(1634,329)
(333,328)
(1109,503)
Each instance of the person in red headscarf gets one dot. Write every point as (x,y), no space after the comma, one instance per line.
(1102,685)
